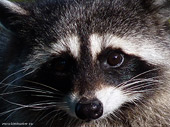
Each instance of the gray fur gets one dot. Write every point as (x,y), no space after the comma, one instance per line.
(35,33)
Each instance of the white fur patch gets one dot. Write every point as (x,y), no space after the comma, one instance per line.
(13,7)
(96,44)
(111,99)
(70,43)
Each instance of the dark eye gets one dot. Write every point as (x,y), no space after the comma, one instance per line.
(60,64)
(115,59)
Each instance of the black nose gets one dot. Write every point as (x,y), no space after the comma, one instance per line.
(89,109)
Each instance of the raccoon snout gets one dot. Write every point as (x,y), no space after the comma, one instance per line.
(89,109)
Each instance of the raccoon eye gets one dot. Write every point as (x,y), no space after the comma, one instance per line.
(115,59)
(60,64)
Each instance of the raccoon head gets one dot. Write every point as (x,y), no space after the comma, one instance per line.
(91,60)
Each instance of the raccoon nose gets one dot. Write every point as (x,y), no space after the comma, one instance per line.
(89,109)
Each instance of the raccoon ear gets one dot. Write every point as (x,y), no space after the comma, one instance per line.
(9,11)
(164,10)
(159,2)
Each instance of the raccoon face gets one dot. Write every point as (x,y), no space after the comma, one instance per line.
(88,60)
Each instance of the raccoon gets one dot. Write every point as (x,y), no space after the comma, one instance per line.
(85,63)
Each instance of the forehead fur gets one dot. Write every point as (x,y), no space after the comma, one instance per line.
(106,23)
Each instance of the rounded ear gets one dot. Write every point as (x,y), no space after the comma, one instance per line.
(159,2)
(9,10)
(164,11)
(161,7)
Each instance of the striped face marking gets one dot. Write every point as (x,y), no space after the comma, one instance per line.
(70,44)
(95,44)
(143,48)
(42,53)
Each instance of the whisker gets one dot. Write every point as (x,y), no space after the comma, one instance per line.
(143,91)
(15,109)
(16,80)
(12,113)
(20,91)
(140,81)
(32,88)
(38,117)
(49,103)
(12,75)
(44,101)
(141,74)
(43,85)
(4,85)
(36,106)
(13,103)
(46,96)
(136,84)
(134,91)
(49,114)
(136,77)
(69,122)
(52,118)
(42,108)
(126,82)
(140,87)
